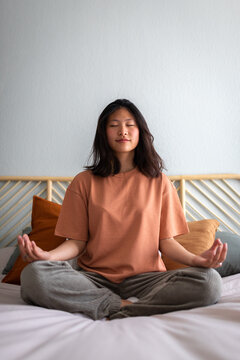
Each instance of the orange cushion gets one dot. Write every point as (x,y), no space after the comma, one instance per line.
(44,218)
(199,239)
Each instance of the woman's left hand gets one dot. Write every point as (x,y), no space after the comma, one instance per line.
(213,257)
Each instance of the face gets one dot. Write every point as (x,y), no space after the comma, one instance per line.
(122,131)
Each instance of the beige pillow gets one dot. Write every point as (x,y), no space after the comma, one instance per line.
(199,239)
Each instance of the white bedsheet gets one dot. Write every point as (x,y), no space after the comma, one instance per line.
(34,333)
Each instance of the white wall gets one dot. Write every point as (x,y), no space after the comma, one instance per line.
(63,61)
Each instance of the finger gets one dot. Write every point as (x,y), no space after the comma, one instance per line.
(213,253)
(33,254)
(36,251)
(25,242)
(21,246)
(223,254)
(217,258)
(20,242)
(25,238)
(29,250)
(28,256)
(215,245)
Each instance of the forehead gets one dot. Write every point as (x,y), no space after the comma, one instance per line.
(121,115)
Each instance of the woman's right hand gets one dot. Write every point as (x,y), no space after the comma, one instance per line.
(30,251)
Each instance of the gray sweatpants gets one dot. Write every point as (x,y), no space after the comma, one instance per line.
(56,285)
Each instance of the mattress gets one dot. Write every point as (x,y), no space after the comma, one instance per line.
(34,333)
(206,333)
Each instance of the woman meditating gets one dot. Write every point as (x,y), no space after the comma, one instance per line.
(116,216)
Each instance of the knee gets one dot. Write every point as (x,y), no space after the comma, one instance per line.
(31,273)
(38,279)
(30,280)
(211,287)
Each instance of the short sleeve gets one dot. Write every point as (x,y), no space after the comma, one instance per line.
(173,221)
(73,218)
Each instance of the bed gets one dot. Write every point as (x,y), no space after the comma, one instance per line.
(212,332)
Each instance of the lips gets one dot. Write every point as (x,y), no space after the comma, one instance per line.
(122,140)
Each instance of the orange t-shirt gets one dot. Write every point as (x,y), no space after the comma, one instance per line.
(122,218)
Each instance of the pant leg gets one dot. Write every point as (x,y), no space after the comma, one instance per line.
(56,285)
(168,291)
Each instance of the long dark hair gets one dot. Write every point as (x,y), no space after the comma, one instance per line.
(146,158)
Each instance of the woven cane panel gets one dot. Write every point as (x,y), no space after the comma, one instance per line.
(213,199)
(16,205)
(201,199)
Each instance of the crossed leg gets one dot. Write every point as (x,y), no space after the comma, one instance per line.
(174,290)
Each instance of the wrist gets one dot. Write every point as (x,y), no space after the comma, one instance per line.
(193,261)
(51,256)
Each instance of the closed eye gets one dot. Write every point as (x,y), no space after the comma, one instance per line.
(117,125)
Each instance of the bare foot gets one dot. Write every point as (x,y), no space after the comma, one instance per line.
(125,302)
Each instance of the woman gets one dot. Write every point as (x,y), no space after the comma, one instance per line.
(116,216)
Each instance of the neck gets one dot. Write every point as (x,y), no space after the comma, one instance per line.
(127,169)
(126,160)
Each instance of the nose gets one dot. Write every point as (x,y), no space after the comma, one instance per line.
(123,131)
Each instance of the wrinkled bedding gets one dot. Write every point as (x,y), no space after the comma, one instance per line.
(34,333)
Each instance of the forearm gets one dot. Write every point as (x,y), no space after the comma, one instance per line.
(69,249)
(176,251)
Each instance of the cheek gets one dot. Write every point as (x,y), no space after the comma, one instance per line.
(135,134)
(110,134)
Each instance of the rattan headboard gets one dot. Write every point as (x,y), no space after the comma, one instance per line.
(202,197)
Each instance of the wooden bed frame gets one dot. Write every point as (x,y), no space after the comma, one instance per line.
(202,197)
